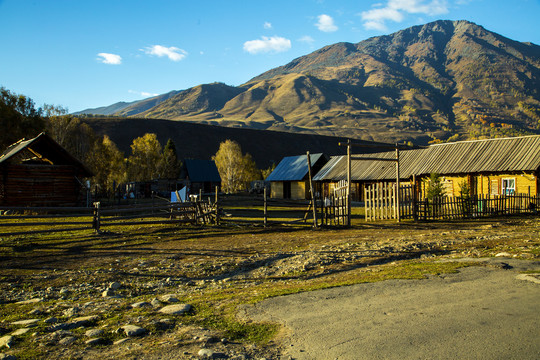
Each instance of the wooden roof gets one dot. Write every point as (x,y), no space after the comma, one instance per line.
(42,149)
(464,157)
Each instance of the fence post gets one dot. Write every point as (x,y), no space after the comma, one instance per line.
(217,207)
(312,191)
(96,221)
(265,208)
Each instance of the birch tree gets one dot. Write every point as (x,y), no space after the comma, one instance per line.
(145,158)
(235,169)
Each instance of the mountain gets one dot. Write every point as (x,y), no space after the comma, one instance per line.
(129,108)
(106,110)
(439,81)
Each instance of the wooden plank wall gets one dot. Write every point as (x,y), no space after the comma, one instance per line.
(39,185)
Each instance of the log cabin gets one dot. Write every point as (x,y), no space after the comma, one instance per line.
(40,172)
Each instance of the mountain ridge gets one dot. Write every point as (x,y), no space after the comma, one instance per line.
(438,81)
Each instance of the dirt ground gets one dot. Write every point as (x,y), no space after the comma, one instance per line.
(483,312)
(215,270)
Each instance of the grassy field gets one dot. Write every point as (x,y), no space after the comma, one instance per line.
(217,269)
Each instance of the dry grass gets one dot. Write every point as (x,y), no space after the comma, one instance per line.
(216,269)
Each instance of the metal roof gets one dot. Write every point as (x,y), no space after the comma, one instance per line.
(293,168)
(202,170)
(478,156)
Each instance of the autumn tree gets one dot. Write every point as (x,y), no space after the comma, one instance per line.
(266,172)
(236,170)
(19,118)
(76,137)
(145,157)
(108,165)
(169,165)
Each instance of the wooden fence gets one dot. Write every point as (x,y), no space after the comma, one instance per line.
(381,204)
(381,201)
(335,211)
(59,219)
(476,206)
(261,210)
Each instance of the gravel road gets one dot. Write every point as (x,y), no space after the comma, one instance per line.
(483,312)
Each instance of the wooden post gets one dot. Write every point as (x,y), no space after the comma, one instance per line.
(414,199)
(312,192)
(398,217)
(349,182)
(366,202)
(265,208)
(96,221)
(217,206)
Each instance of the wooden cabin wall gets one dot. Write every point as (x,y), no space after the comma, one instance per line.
(40,185)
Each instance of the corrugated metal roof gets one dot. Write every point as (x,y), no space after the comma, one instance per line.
(293,168)
(492,155)
(202,170)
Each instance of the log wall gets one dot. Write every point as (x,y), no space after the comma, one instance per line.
(40,185)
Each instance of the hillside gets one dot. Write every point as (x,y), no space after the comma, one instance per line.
(199,141)
(443,80)
(129,108)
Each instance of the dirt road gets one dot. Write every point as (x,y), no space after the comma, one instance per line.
(483,312)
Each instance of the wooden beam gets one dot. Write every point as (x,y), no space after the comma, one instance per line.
(381,145)
(349,178)
(312,191)
(371,159)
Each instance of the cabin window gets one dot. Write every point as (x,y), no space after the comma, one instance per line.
(508,186)
(494,187)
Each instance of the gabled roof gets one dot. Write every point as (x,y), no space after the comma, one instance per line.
(294,168)
(42,148)
(202,170)
(464,157)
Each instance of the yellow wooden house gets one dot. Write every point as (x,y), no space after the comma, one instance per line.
(485,167)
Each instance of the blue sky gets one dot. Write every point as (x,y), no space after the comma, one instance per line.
(88,53)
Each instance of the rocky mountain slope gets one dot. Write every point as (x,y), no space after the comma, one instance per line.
(443,80)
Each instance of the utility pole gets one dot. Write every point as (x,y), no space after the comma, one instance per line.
(349,202)
(312,192)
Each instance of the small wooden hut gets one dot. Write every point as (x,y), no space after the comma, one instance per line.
(290,180)
(200,175)
(40,172)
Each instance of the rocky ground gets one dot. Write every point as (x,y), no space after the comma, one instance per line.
(140,294)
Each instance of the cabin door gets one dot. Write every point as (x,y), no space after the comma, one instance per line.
(286,190)
(473,185)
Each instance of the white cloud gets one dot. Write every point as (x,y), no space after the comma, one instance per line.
(173,53)
(326,23)
(111,59)
(267,25)
(395,10)
(307,39)
(273,44)
(142,93)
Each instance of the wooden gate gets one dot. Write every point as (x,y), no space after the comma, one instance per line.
(381,202)
(335,207)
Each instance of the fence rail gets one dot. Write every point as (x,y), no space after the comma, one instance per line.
(98,218)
